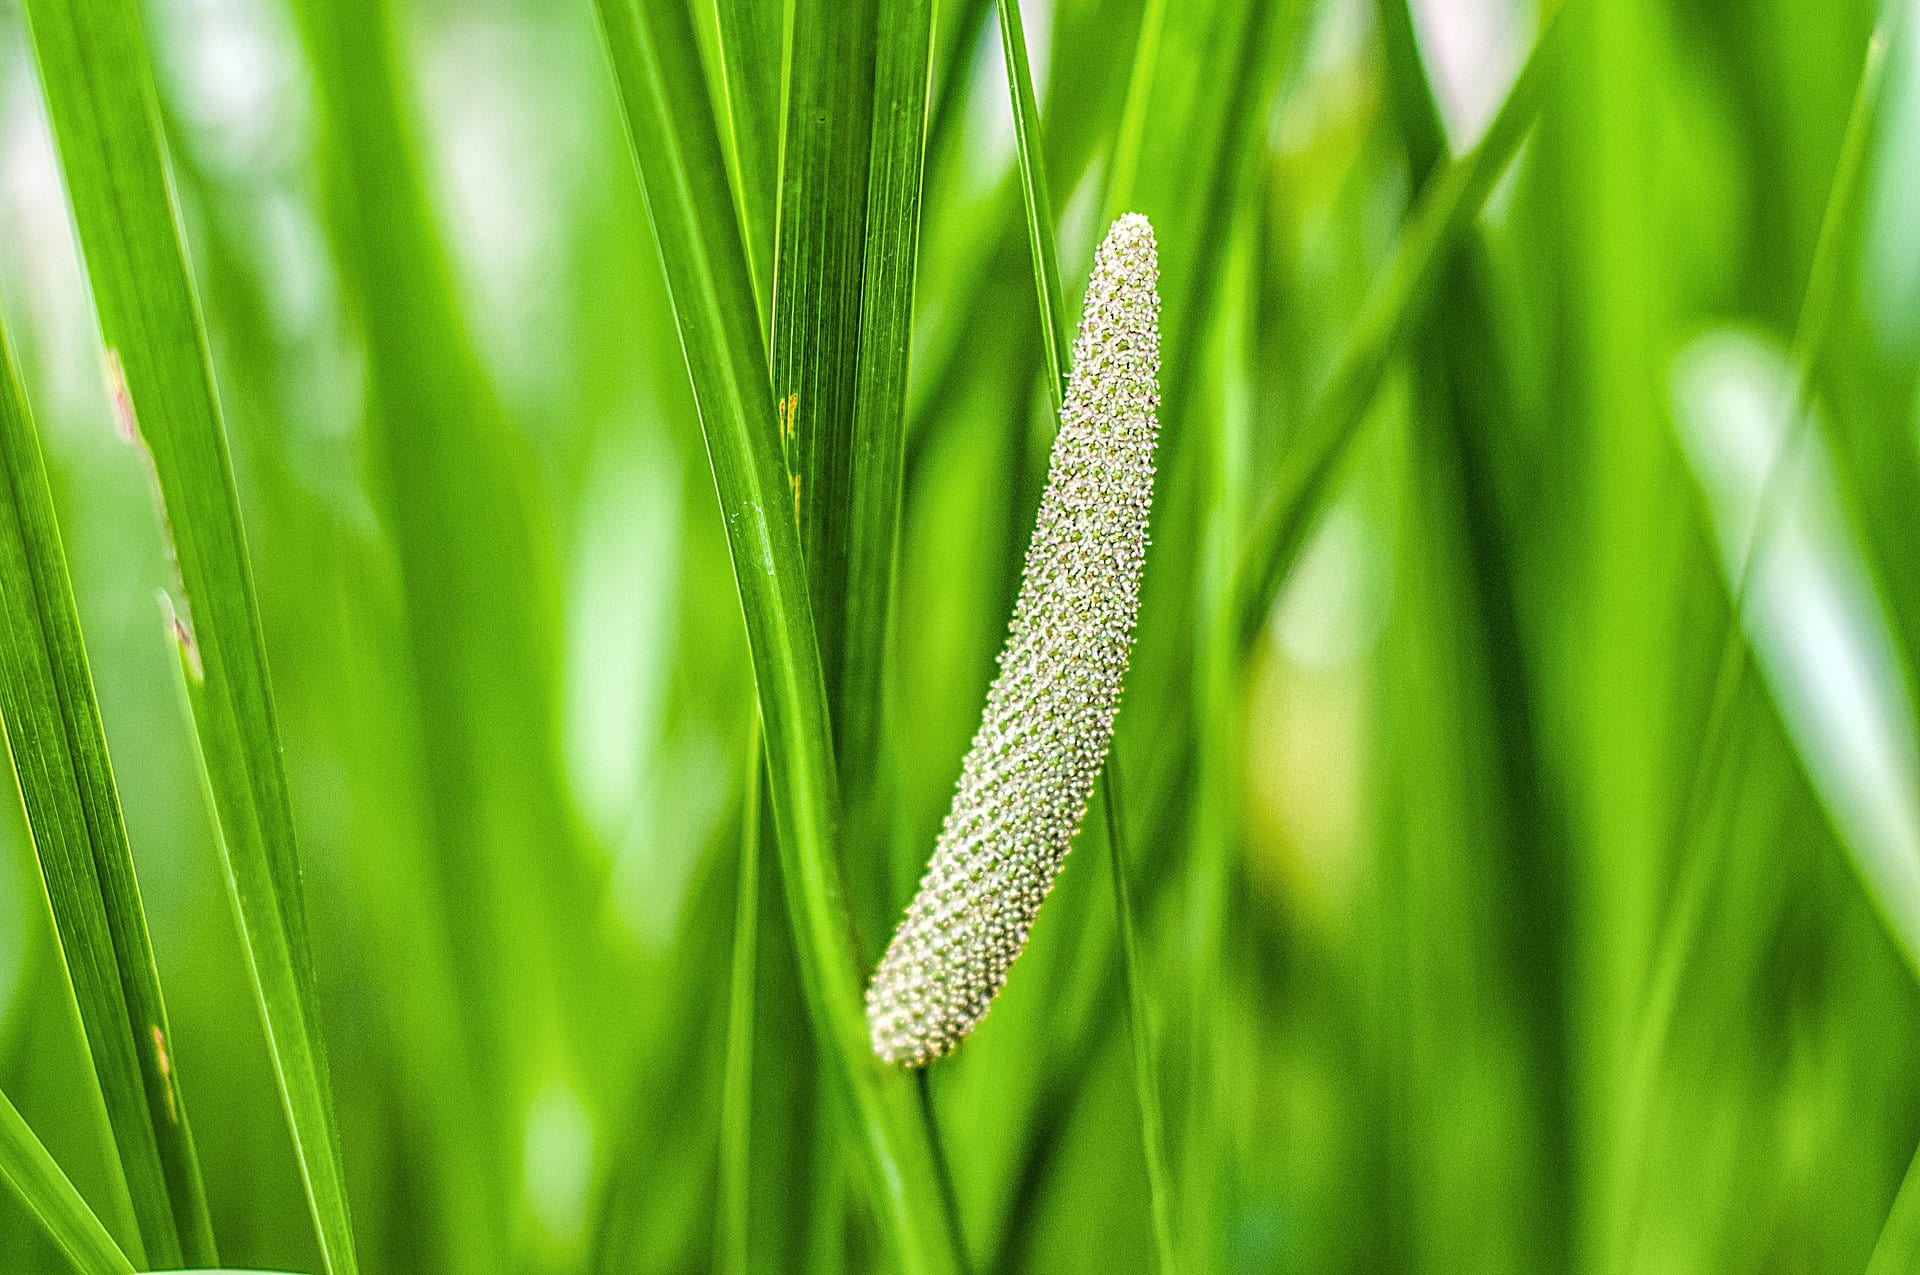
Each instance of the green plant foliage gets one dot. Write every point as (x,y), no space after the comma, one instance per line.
(46,1194)
(94,69)
(520,509)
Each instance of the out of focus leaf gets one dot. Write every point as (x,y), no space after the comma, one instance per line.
(1812,614)
(33,1176)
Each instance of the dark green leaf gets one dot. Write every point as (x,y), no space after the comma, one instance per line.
(1446,211)
(95,70)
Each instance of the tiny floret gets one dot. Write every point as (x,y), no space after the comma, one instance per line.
(1048,721)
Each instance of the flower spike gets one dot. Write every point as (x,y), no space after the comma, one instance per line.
(1049,716)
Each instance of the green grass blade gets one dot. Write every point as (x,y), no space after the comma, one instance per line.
(1460,365)
(957,28)
(1215,113)
(1001,244)
(1898,1249)
(656,66)
(733,1252)
(942,1167)
(1699,838)
(1416,111)
(842,328)
(1039,204)
(1146,1075)
(656,1209)
(903,54)
(1452,201)
(59,750)
(52,1200)
(794,1127)
(97,76)
(816,314)
(454,483)
(752,51)
(1809,345)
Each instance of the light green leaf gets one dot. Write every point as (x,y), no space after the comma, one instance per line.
(752,49)
(51,1199)
(1146,1072)
(732,1252)
(1898,1248)
(97,76)
(656,65)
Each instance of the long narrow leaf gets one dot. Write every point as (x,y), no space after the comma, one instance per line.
(656,64)
(452,478)
(903,50)
(50,1197)
(97,77)
(59,750)
(842,320)
(751,53)
(1784,513)
(1146,1075)
(1898,1248)
(816,314)
(732,1251)
(1039,203)
(1459,362)
(1133,115)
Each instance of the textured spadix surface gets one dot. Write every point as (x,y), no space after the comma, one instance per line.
(1049,717)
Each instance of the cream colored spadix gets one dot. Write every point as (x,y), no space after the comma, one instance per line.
(1049,716)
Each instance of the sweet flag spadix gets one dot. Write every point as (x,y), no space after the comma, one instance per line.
(1048,721)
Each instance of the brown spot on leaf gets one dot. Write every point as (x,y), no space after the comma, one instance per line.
(165,1063)
(786,409)
(121,398)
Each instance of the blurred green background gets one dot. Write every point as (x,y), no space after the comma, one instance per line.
(1510,901)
